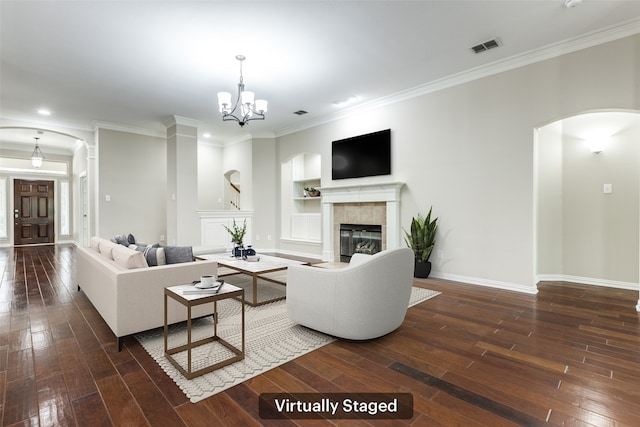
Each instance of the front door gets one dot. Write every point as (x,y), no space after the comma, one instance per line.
(33,212)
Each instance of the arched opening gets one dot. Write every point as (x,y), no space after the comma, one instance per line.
(22,182)
(232,190)
(587,199)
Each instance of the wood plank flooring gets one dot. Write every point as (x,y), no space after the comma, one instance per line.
(472,356)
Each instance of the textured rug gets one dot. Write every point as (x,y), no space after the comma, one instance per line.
(271,340)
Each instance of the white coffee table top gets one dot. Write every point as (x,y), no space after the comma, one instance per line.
(266,262)
(180,290)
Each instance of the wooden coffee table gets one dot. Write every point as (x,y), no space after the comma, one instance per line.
(255,269)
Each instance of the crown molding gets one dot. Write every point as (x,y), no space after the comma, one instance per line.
(183,121)
(555,50)
(95,125)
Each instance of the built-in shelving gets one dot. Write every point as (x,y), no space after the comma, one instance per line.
(302,214)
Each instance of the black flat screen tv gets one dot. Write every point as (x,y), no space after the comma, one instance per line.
(360,156)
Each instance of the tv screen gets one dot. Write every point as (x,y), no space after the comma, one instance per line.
(364,155)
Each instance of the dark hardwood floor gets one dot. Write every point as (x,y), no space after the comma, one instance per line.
(471,356)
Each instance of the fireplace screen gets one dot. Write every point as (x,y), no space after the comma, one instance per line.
(359,238)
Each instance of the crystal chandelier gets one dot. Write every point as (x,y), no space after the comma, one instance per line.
(246,107)
(37,157)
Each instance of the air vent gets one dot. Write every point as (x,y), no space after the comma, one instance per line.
(300,112)
(485,46)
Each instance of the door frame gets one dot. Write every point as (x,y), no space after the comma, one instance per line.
(84,209)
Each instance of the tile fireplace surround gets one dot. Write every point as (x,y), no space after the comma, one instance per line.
(377,204)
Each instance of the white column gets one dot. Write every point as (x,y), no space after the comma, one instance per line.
(183,222)
(327,231)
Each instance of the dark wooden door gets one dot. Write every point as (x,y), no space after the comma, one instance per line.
(33,212)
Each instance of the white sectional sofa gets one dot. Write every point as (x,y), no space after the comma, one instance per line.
(128,294)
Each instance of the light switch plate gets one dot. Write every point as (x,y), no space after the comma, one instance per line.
(607,188)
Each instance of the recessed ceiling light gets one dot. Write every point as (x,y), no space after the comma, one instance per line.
(571,3)
(349,100)
(44,112)
(206,135)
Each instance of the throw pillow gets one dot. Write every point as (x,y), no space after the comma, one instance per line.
(154,255)
(130,239)
(178,254)
(121,239)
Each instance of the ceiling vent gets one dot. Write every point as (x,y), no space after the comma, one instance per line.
(300,112)
(490,44)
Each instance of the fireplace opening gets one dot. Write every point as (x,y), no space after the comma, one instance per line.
(359,238)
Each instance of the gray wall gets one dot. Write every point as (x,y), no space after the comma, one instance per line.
(585,235)
(468,151)
(210,177)
(133,171)
(600,231)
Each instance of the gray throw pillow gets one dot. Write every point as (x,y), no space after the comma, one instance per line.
(121,239)
(178,254)
(154,255)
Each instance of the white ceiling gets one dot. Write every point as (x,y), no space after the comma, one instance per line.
(137,63)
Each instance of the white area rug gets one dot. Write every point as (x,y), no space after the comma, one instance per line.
(271,340)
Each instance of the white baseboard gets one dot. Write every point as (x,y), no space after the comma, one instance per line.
(292,253)
(588,281)
(486,282)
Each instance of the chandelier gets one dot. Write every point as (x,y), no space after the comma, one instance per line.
(246,107)
(37,157)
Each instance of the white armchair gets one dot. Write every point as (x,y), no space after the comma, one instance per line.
(365,300)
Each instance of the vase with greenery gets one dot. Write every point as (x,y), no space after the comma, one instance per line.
(237,235)
(421,240)
(312,191)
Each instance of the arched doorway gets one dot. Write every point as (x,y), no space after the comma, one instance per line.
(587,199)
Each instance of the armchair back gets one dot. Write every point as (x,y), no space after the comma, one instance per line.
(365,300)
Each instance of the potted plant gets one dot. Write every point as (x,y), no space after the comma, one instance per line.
(237,235)
(312,191)
(421,240)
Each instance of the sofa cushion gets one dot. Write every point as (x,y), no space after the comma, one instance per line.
(106,248)
(178,254)
(128,258)
(94,243)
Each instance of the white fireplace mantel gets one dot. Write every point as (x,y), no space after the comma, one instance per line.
(362,193)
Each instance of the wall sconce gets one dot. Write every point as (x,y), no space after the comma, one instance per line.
(597,145)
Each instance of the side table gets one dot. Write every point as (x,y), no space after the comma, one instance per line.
(189,300)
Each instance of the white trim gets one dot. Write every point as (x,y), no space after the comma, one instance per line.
(486,282)
(315,243)
(587,281)
(552,51)
(361,193)
(183,121)
(129,129)
(289,253)
(225,214)
(4,206)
